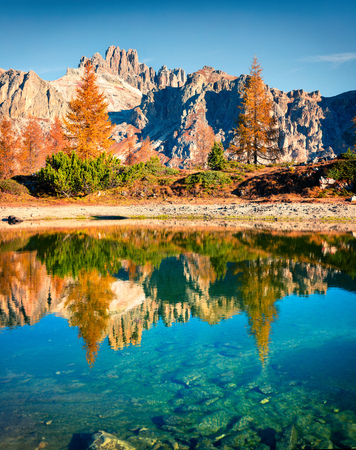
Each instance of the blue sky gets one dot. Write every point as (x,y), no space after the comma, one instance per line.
(306,45)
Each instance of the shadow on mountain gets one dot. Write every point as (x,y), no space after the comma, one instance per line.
(339,111)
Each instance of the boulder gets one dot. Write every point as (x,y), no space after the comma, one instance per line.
(105,441)
(12,220)
(326,182)
(288,439)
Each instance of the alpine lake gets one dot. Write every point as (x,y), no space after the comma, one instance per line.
(177,338)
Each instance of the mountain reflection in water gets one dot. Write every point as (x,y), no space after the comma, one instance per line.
(118,282)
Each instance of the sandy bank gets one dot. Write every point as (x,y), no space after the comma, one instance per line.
(276,216)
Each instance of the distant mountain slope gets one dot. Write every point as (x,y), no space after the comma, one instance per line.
(310,125)
(23,94)
(171,107)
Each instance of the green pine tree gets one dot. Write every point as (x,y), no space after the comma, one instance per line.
(216,158)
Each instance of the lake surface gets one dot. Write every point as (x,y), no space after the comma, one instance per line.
(177,339)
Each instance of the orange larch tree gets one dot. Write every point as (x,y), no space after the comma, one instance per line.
(8,149)
(204,138)
(56,141)
(32,148)
(130,143)
(143,154)
(86,125)
(256,135)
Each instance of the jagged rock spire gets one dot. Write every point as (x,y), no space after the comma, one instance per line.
(126,64)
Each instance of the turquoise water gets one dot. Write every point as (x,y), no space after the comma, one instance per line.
(178,340)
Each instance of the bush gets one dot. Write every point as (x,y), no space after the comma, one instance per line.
(344,169)
(140,170)
(207,179)
(171,171)
(216,158)
(236,165)
(13,187)
(350,154)
(154,167)
(70,176)
(129,174)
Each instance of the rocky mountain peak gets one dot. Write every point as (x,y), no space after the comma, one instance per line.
(172,108)
(211,75)
(25,93)
(126,65)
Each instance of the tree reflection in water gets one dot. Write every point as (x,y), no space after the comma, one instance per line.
(88,301)
(118,282)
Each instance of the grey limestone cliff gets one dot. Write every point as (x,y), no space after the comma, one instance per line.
(169,106)
(126,65)
(310,125)
(23,94)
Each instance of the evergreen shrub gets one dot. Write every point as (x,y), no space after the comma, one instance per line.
(69,176)
(345,169)
(208,179)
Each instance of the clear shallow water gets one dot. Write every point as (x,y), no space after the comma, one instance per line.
(171,339)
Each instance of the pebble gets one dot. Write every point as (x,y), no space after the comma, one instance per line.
(296,210)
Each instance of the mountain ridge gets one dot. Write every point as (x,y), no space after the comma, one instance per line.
(173,108)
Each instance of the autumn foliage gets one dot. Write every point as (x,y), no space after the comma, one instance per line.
(86,130)
(202,134)
(87,126)
(56,141)
(88,304)
(143,154)
(204,138)
(25,151)
(8,146)
(256,135)
(33,149)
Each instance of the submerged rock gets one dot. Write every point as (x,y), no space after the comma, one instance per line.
(102,440)
(244,422)
(288,440)
(266,389)
(244,439)
(211,423)
(205,444)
